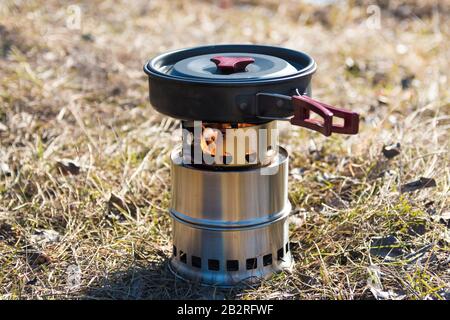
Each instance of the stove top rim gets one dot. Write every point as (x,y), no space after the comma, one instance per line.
(282,156)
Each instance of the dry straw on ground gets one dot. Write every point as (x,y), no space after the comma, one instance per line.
(84,166)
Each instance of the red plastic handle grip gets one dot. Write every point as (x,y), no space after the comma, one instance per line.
(232,64)
(304,104)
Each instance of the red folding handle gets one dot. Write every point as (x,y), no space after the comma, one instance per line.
(304,104)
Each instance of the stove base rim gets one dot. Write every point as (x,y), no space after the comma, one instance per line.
(245,282)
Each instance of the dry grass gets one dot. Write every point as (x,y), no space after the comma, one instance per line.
(75,100)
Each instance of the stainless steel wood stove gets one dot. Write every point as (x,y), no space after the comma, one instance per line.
(229,177)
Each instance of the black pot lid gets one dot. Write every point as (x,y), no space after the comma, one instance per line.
(224,64)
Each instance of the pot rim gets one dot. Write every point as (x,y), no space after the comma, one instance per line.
(151,68)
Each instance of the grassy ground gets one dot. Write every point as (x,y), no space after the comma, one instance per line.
(84,166)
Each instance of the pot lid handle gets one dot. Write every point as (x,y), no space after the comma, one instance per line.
(232,64)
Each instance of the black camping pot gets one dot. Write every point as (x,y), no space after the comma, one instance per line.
(242,84)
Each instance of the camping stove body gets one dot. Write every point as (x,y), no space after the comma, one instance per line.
(230,223)
(230,217)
